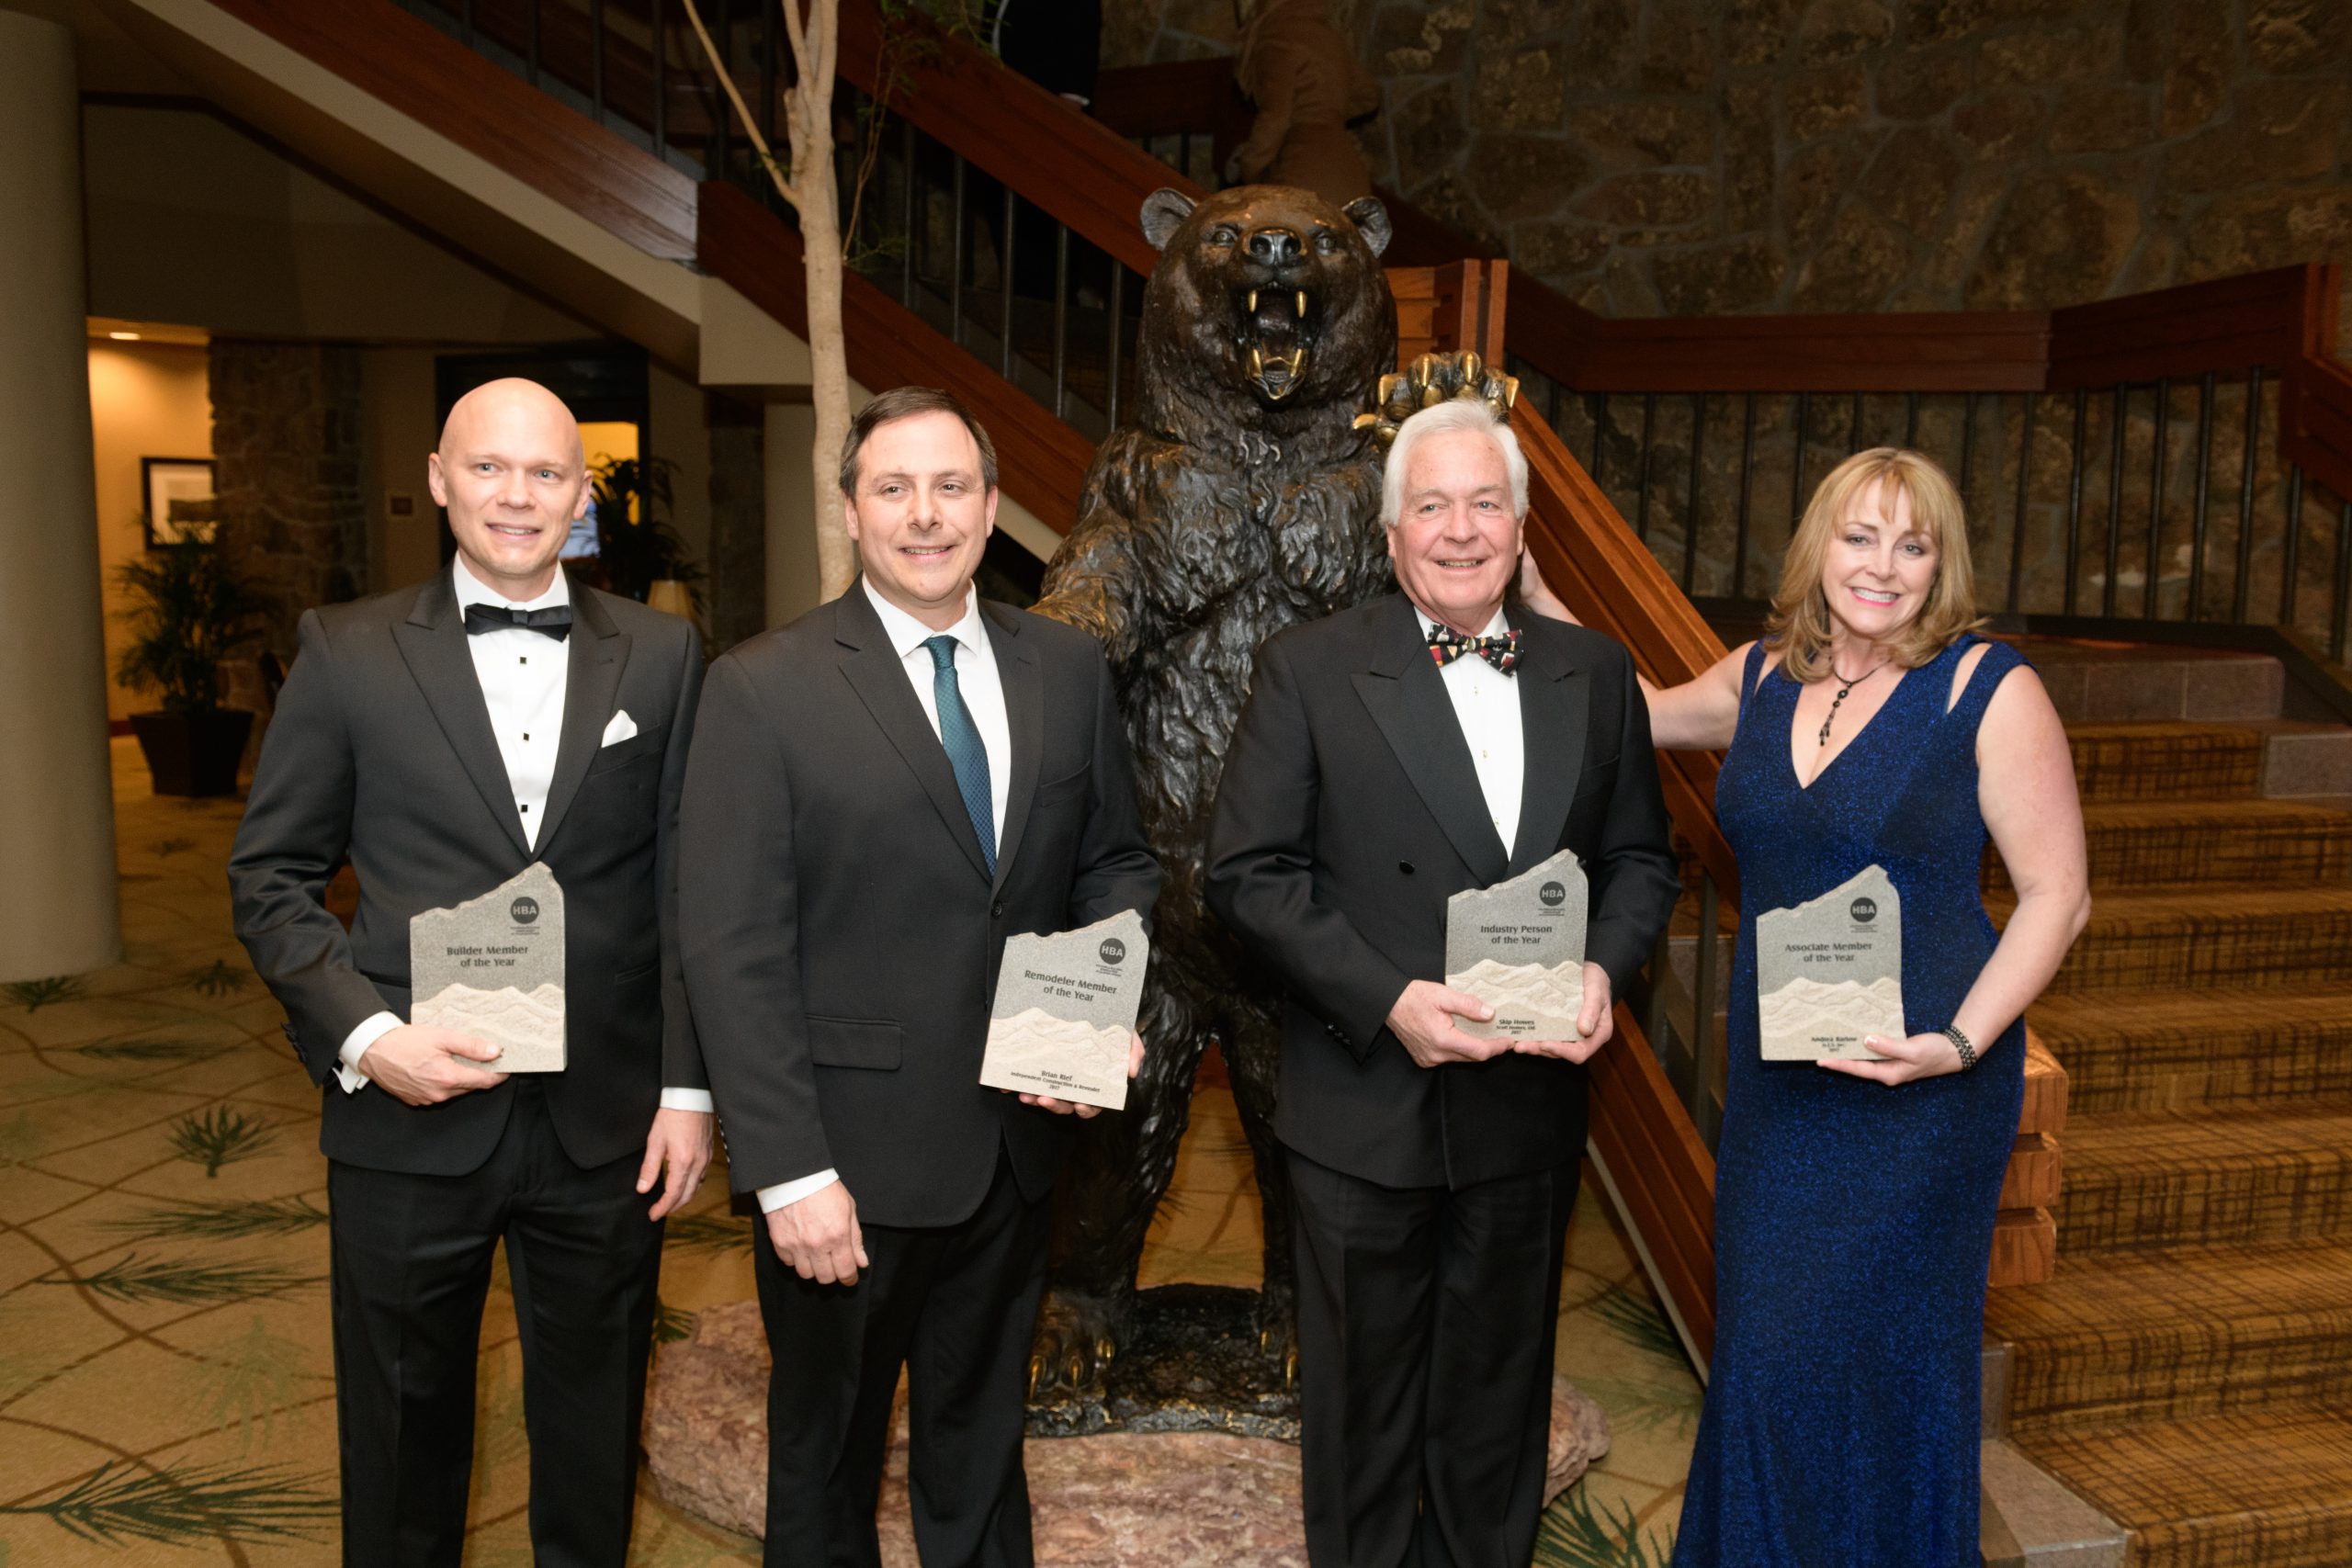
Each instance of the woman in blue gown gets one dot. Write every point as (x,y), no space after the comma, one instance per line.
(1854,1199)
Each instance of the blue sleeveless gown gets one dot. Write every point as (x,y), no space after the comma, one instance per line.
(1853,1222)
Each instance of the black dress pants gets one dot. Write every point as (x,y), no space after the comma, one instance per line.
(1426,1320)
(957,1307)
(411,1268)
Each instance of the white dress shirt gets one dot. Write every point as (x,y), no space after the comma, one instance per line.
(1486,704)
(983,691)
(524,675)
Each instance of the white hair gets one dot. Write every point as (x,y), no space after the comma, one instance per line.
(1455,414)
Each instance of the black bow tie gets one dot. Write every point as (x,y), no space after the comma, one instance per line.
(555,621)
(1446,645)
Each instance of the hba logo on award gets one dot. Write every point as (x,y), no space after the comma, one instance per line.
(525,911)
(1864,911)
(1112,950)
(1553,895)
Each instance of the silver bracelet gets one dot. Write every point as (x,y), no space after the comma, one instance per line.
(1960,1042)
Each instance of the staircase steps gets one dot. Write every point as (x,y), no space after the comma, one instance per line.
(2268,1491)
(2221,939)
(2252,1173)
(2166,1333)
(2166,760)
(2180,1051)
(2141,845)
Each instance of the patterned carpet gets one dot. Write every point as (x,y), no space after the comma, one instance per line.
(165,1387)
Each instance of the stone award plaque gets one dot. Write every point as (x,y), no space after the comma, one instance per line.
(1830,971)
(1518,947)
(1065,1012)
(494,968)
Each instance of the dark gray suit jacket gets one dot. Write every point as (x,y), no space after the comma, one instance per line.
(842,932)
(1350,812)
(380,752)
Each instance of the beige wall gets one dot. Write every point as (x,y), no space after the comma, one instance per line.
(681,433)
(397,386)
(147,399)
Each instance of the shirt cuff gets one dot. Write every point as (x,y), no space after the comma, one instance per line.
(782,1193)
(355,1046)
(688,1100)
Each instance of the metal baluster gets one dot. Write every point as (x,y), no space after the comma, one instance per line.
(2151,606)
(596,58)
(955,262)
(1854,425)
(466,22)
(1967,443)
(660,82)
(2115,500)
(1062,315)
(722,39)
(1702,1014)
(2341,611)
(1004,291)
(1911,419)
(531,46)
(2288,565)
(2075,498)
(1655,1020)
(1796,464)
(1691,494)
(1746,498)
(2242,590)
(768,68)
(1184,154)
(2204,490)
(1642,485)
(1599,423)
(907,261)
(1111,357)
(2017,530)
(1552,409)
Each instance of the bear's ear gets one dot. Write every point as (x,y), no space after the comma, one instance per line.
(1370,220)
(1164,212)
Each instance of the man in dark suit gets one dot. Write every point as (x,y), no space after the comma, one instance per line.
(879,794)
(442,738)
(1390,757)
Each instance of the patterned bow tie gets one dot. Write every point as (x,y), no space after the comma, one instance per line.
(555,621)
(1446,645)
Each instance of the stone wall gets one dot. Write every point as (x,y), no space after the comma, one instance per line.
(1690,157)
(286,420)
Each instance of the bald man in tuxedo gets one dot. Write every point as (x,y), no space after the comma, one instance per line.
(441,739)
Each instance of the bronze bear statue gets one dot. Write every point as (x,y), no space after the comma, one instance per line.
(1244,499)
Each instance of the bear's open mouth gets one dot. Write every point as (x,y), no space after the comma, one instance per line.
(1278,327)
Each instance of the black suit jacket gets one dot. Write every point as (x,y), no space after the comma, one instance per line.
(842,931)
(1350,812)
(380,752)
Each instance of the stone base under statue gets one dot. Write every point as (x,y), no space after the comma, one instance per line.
(1151,1497)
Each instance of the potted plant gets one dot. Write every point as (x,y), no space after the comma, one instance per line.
(190,608)
(636,546)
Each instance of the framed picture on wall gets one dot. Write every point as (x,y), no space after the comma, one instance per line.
(179,499)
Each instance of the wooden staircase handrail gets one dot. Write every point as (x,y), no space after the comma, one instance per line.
(1042,460)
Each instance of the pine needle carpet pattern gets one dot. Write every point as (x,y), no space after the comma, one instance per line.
(165,1394)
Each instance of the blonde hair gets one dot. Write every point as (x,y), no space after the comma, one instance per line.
(1800,625)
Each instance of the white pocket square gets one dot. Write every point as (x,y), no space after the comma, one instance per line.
(621,729)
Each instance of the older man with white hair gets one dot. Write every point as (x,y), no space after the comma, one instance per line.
(1390,757)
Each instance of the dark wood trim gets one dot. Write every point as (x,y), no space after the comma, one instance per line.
(2226,326)
(1042,462)
(1187,97)
(2315,419)
(414,68)
(1078,169)
(1661,1174)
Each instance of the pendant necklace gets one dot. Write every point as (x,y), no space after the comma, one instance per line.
(1844,692)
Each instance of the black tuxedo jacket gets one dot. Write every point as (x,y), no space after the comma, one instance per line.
(1350,812)
(380,752)
(842,932)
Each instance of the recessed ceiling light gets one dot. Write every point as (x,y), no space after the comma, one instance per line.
(124,337)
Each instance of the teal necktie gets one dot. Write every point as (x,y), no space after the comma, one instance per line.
(966,754)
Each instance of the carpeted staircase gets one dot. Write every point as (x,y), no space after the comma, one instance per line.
(2189,1370)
